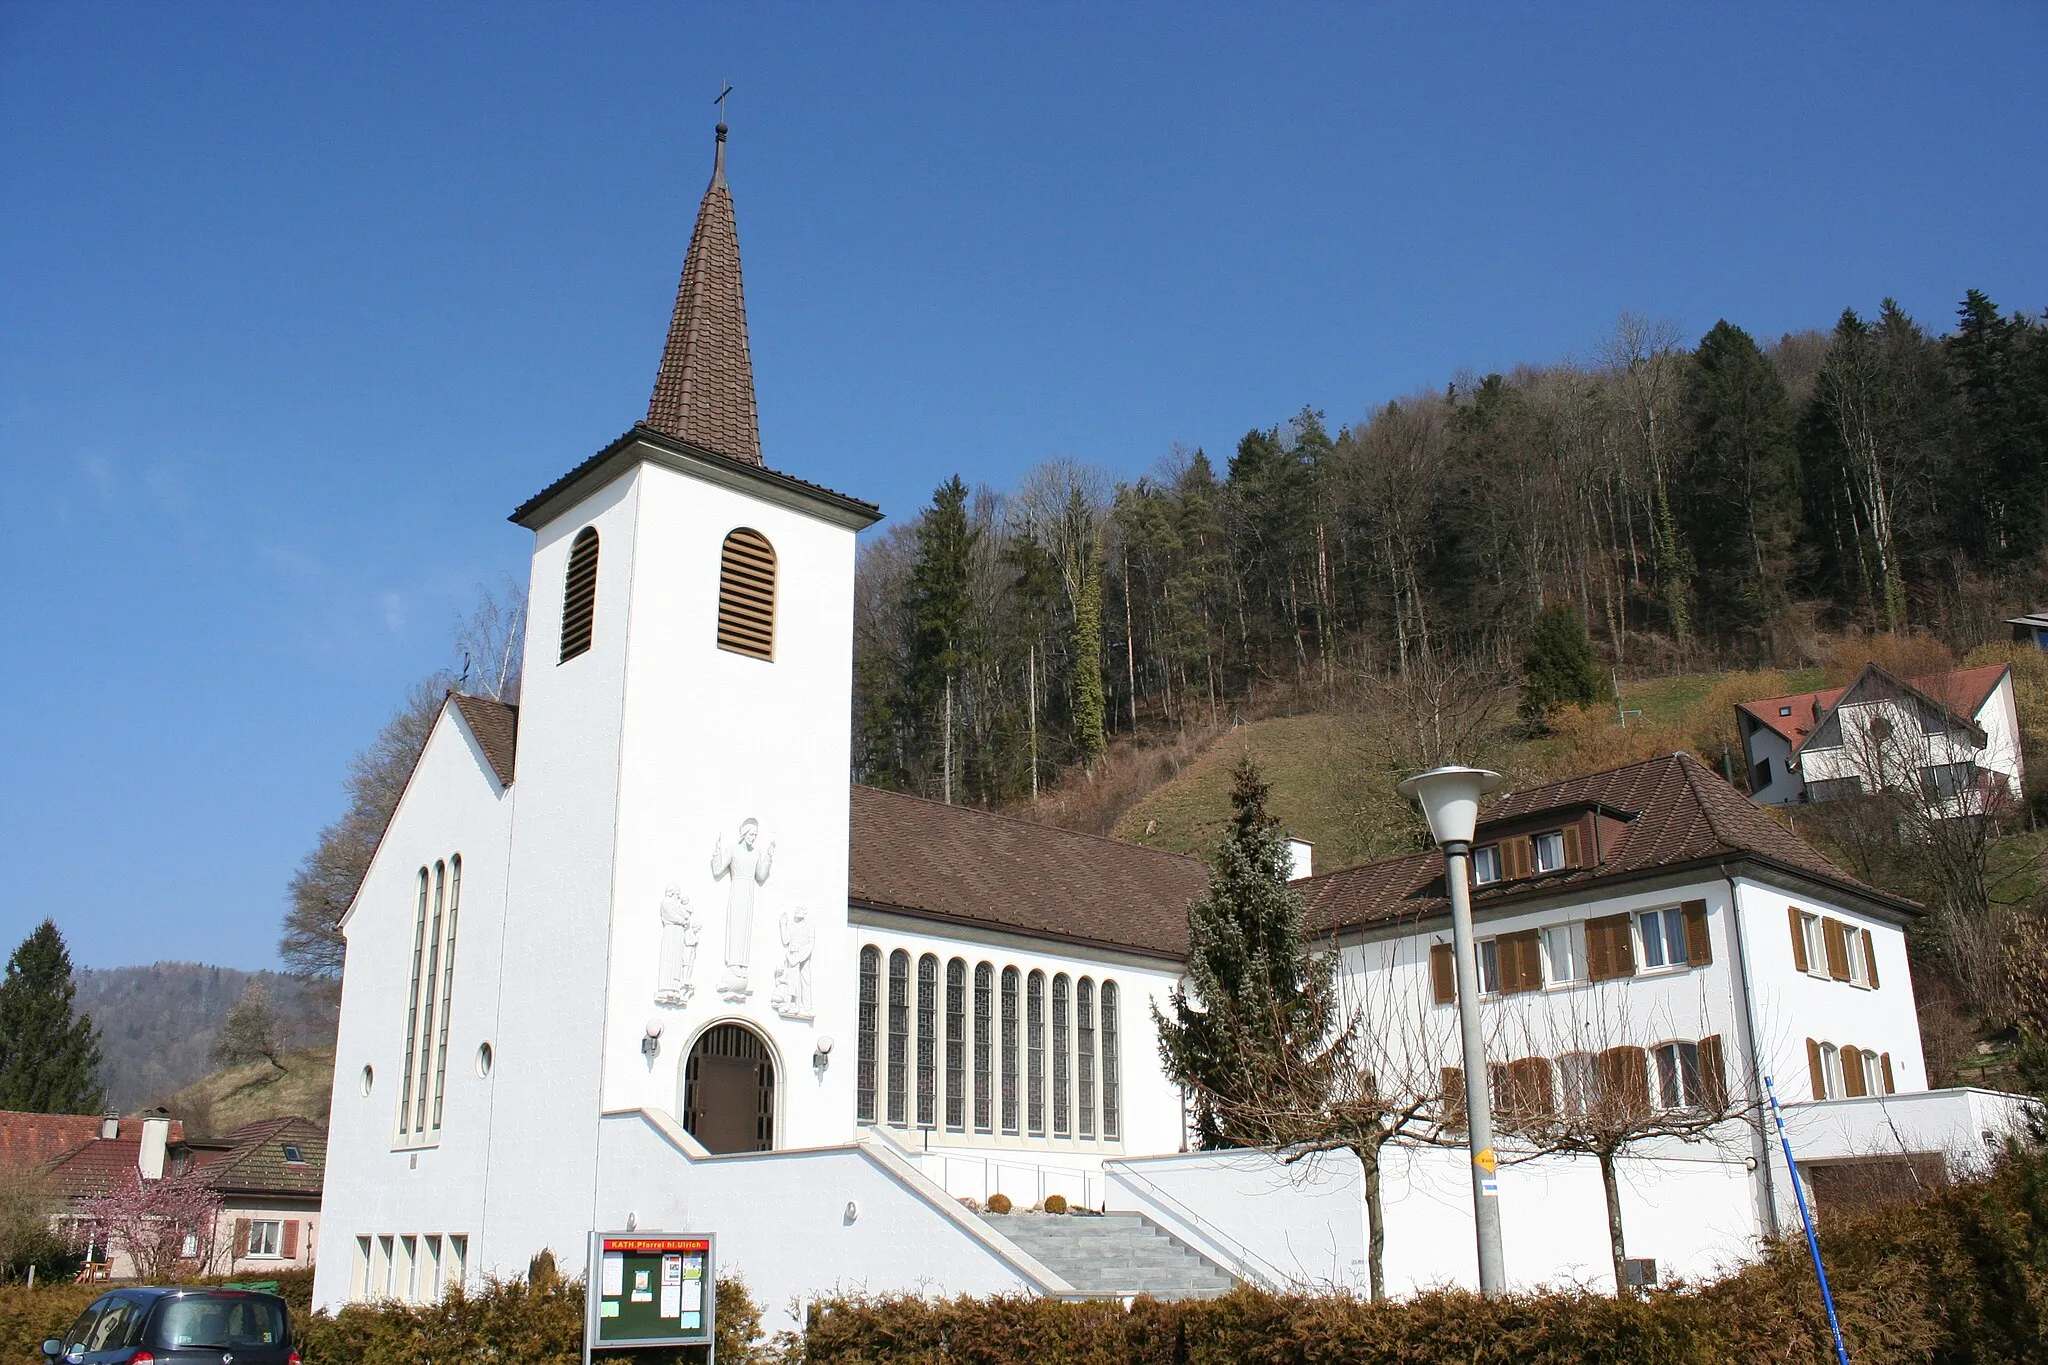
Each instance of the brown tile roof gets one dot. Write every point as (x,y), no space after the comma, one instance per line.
(968,866)
(255,1161)
(704,391)
(496,727)
(31,1141)
(1962,690)
(1683,814)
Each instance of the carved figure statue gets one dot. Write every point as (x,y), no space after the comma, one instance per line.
(792,998)
(744,866)
(679,934)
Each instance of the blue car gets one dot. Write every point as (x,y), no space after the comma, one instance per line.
(218,1326)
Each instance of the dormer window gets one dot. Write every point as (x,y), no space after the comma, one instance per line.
(1486,865)
(292,1155)
(1785,711)
(1549,849)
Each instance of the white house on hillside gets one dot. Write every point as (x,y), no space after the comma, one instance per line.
(1952,737)
(636,955)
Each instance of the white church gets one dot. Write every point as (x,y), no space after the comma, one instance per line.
(634,955)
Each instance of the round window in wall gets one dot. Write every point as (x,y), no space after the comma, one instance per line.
(483,1059)
(369,1079)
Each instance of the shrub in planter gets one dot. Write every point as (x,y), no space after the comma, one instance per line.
(999,1203)
(1055,1203)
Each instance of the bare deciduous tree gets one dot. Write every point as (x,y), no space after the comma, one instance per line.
(156,1223)
(250,1032)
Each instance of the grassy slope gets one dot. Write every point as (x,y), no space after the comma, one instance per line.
(243,1094)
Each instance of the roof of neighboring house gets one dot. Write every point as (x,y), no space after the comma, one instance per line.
(496,727)
(69,1146)
(2038,619)
(255,1159)
(1680,813)
(1962,691)
(969,866)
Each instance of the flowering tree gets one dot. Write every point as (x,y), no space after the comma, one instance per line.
(158,1223)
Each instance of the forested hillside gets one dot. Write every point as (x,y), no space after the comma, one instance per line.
(158,1023)
(1720,504)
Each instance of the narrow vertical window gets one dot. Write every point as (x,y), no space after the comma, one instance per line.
(579,594)
(927,1041)
(746,595)
(1110,1096)
(1010,1058)
(868,1043)
(984,1061)
(1062,1039)
(1034,1053)
(899,1038)
(956,1045)
(1084,1032)
(412,1007)
(432,978)
(447,985)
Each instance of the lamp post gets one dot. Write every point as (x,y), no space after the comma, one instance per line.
(1449,798)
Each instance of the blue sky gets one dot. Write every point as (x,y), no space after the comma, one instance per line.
(297,302)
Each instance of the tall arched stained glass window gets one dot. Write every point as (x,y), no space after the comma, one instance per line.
(899,1038)
(927,1041)
(1062,1039)
(1084,1054)
(868,1045)
(956,1045)
(1111,1096)
(1034,1053)
(984,1048)
(1012,1061)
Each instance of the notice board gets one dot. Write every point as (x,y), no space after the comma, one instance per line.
(650,1289)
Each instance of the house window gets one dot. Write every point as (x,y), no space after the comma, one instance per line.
(292,1155)
(579,595)
(984,1047)
(1084,1029)
(956,1045)
(1663,937)
(1486,865)
(1549,851)
(899,1038)
(927,1041)
(1489,966)
(1873,1074)
(1854,950)
(1678,1075)
(868,1043)
(188,1249)
(1809,944)
(1111,1088)
(1944,782)
(746,595)
(1011,1061)
(1034,1053)
(1760,775)
(1833,788)
(1578,1082)
(1833,1087)
(1784,711)
(1564,954)
(265,1236)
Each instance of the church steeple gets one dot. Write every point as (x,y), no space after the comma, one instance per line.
(704,391)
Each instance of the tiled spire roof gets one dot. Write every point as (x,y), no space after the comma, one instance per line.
(704,392)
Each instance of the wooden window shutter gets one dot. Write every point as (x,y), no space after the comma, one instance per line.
(1870,958)
(579,594)
(1443,973)
(746,595)
(1572,856)
(1713,1074)
(241,1237)
(1816,1073)
(1452,1098)
(288,1243)
(1884,1060)
(1852,1072)
(1516,860)
(1837,946)
(1610,950)
(1625,1081)
(1799,962)
(1521,965)
(1531,1091)
(1699,948)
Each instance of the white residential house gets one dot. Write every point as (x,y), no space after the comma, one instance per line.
(634,954)
(1951,737)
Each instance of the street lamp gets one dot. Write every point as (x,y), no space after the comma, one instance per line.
(1449,798)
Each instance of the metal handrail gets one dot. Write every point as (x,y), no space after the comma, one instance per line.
(1248,1263)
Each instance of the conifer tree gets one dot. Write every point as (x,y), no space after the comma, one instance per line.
(1253,997)
(1560,667)
(939,610)
(49,1061)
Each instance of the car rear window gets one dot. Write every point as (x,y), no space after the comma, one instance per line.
(219,1321)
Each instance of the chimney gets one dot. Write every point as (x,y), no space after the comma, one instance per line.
(110,1127)
(1301,858)
(156,1135)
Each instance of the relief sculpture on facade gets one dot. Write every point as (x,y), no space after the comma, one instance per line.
(792,998)
(678,962)
(745,865)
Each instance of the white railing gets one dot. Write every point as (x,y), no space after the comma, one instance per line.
(977,1176)
(1198,1232)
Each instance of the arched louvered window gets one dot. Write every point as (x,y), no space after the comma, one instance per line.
(579,594)
(746,595)
(1111,1090)
(899,1038)
(956,1045)
(927,1041)
(868,1044)
(1034,1053)
(1084,1060)
(984,1049)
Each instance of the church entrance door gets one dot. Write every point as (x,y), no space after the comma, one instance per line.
(729,1090)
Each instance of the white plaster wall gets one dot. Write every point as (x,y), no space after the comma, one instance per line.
(542,1173)
(1302,1223)
(1785,784)
(1151,1120)
(373,1186)
(711,738)
(1999,715)
(1792,1006)
(782,1221)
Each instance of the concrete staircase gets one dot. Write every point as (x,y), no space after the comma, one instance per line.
(1114,1253)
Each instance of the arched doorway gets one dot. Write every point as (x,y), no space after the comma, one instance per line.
(729,1090)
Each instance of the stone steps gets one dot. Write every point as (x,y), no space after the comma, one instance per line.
(1114,1253)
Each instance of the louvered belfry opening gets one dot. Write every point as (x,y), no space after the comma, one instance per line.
(746,595)
(579,594)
